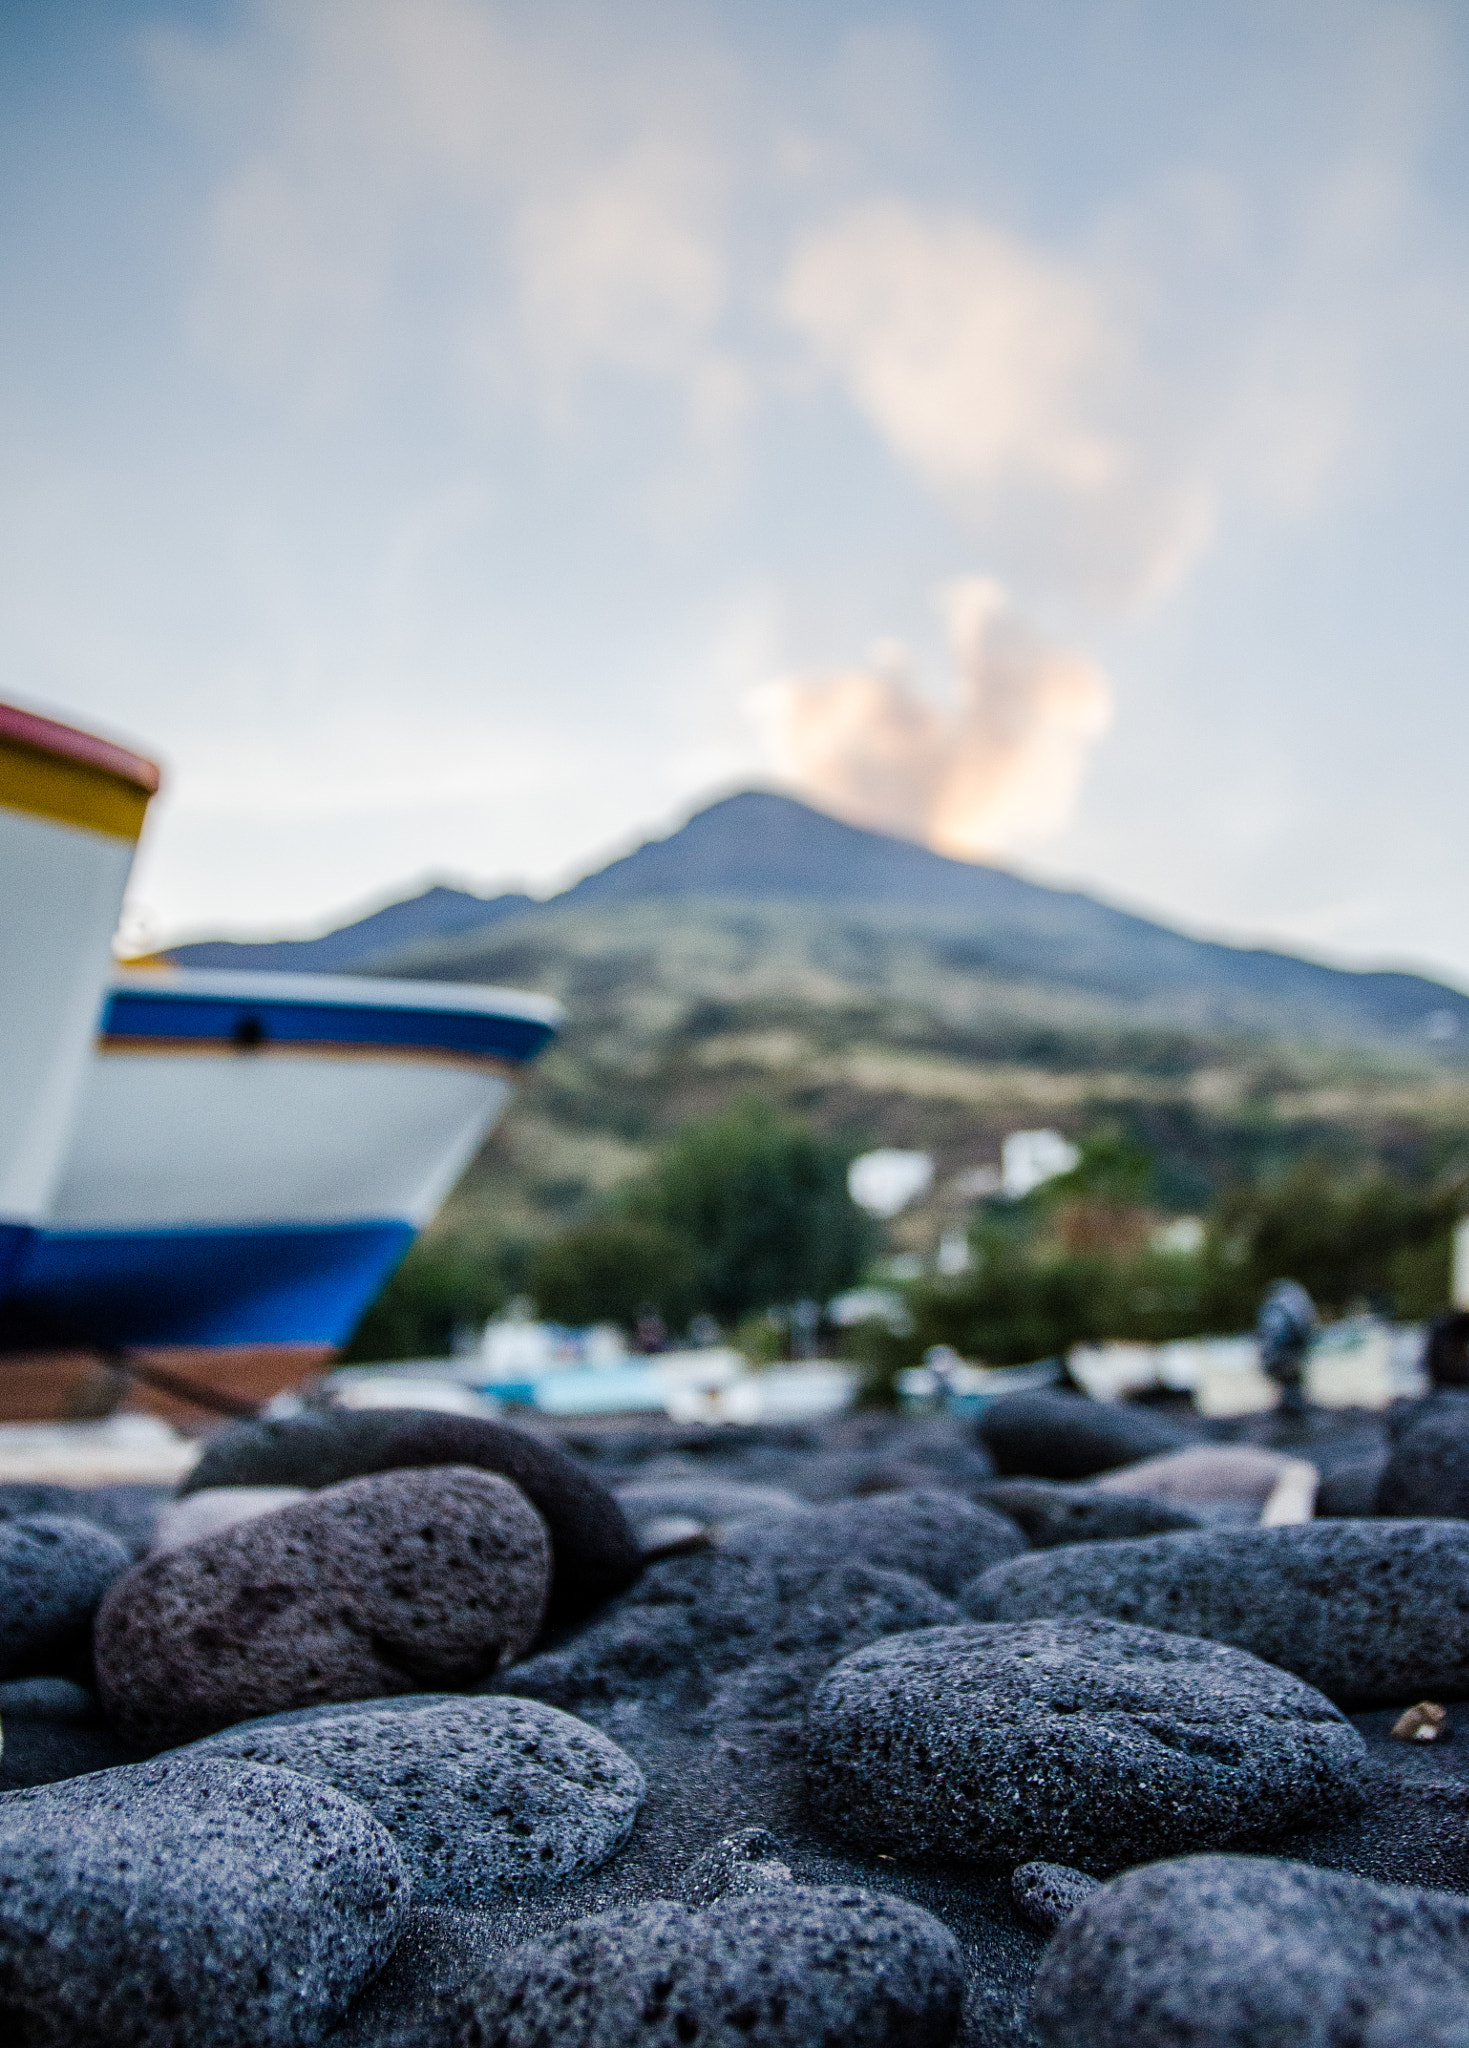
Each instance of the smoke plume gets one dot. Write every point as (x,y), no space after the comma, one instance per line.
(995,768)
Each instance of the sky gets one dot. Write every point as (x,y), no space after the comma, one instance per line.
(458,438)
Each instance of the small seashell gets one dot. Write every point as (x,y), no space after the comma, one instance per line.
(1423,1723)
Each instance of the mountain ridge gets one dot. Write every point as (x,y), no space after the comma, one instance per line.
(758,847)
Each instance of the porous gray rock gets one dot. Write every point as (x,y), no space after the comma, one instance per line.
(215,1508)
(1368,1612)
(927,1534)
(1045,1894)
(485,1798)
(1048,1513)
(736,1866)
(1427,1467)
(779,1969)
(1080,1742)
(54,1571)
(594,1551)
(718,1635)
(189,1900)
(1231,1952)
(1067,1436)
(382,1585)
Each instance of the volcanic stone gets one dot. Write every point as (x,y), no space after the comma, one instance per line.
(595,1553)
(1427,1469)
(779,1969)
(721,1634)
(1066,1436)
(687,1619)
(53,1574)
(1081,1742)
(187,1901)
(216,1508)
(383,1585)
(1231,1952)
(1048,1513)
(736,1866)
(1045,1894)
(939,1537)
(484,1797)
(1367,1611)
(825,1616)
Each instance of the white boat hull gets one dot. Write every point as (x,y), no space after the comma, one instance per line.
(71,808)
(254,1154)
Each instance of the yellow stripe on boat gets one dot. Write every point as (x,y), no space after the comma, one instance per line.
(70,792)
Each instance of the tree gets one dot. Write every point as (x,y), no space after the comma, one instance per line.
(609,1268)
(440,1287)
(762,1203)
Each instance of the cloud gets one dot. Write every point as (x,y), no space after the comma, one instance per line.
(1005,376)
(510,203)
(995,768)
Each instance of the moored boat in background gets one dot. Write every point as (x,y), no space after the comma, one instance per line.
(252,1156)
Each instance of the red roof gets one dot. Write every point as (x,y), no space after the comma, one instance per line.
(47,736)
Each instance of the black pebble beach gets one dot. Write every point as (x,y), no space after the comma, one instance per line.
(860,1735)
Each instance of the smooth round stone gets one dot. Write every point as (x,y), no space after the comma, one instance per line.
(1066,1436)
(783,1969)
(1427,1469)
(1224,1479)
(937,1537)
(595,1552)
(190,1901)
(217,1507)
(485,1798)
(53,1574)
(1049,1513)
(386,1585)
(1368,1612)
(1078,1742)
(1235,1951)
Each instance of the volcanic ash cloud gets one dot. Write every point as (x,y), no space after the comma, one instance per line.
(996,767)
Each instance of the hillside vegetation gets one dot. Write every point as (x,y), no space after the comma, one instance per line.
(883,995)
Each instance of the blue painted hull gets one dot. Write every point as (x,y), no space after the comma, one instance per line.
(14,1237)
(302,1284)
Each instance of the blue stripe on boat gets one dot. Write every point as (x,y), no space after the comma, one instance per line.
(267,1284)
(14,1237)
(274,1020)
